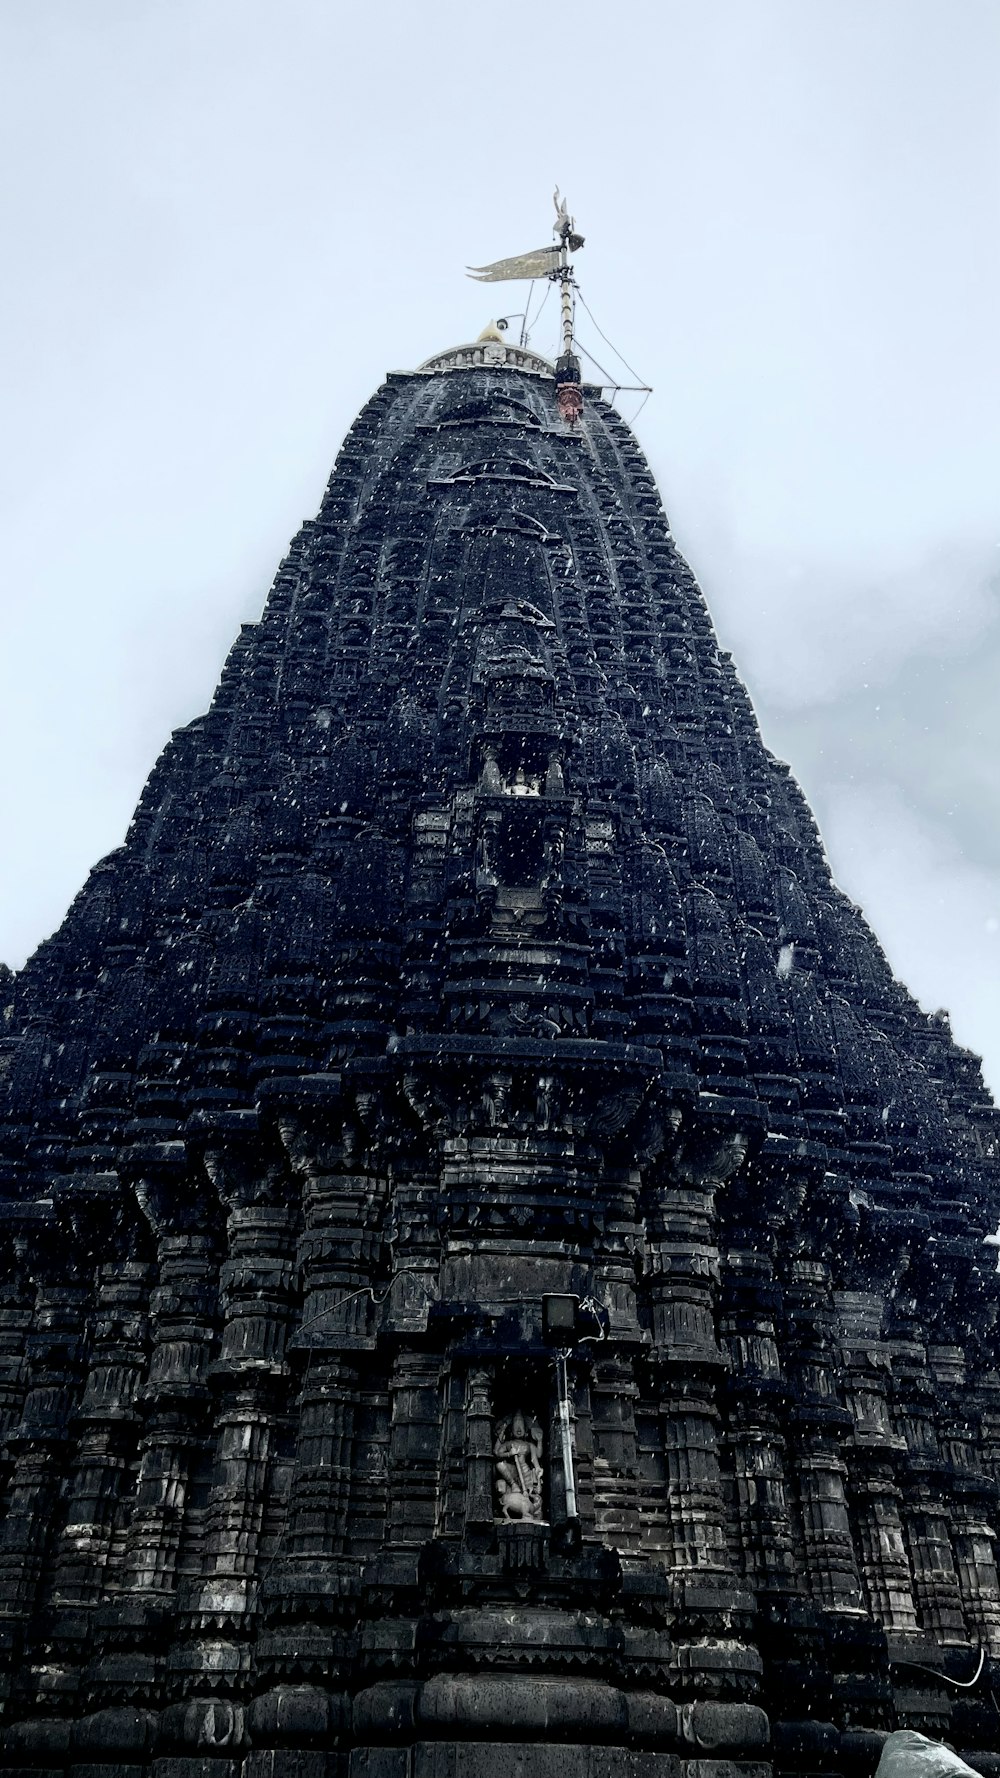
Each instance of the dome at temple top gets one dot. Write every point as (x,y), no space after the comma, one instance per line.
(492,351)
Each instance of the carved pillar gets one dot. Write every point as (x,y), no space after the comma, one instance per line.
(453,1502)
(758,1207)
(846,1683)
(183,1308)
(107,1417)
(17,1296)
(966,1435)
(100,1461)
(210,1659)
(712,1655)
(819,1416)
(881,1544)
(480,1511)
(683,1277)
(613,1394)
(16,1302)
(340,1252)
(250,1374)
(317,1511)
(756,1392)
(39,1443)
(925,1472)
(414,1447)
(974,1542)
(613,1387)
(753,1207)
(874,1262)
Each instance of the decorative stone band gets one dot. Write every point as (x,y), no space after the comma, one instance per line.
(521,1707)
(493,354)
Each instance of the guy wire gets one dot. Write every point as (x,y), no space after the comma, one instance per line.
(610,343)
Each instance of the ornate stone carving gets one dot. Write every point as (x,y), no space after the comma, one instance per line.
(519,1472)
(442,971)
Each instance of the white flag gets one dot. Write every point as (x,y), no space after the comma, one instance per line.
(524,265)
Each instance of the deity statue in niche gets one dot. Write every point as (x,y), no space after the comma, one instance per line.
(517,1448)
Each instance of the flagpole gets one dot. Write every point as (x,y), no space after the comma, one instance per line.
(569,392)
(565,289)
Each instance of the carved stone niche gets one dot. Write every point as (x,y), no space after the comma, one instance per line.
(520,1439)
(519,1467)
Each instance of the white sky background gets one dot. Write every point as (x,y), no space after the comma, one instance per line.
(223,220)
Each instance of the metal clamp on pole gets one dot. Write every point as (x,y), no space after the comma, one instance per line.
(570,1322)
(568,1534)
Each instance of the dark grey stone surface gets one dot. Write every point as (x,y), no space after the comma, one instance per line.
(473,948)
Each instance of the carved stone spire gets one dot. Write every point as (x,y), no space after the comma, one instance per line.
(471,953)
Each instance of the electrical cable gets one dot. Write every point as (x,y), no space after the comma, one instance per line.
(639,409)
(524,318)
(607,342)
(610,383)
(595,1308)
(541,308)
(964,1685)
(366,1290)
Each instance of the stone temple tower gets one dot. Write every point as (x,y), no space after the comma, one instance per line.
(493,1280)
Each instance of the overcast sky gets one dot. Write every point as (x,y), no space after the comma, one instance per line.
(224,220)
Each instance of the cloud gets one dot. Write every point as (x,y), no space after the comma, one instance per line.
(879,689)
(937,914)
(808,632)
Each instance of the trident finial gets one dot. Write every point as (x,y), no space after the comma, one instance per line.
(565,224)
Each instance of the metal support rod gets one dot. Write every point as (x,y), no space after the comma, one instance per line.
(566,291)
(565,1434)
(567,312)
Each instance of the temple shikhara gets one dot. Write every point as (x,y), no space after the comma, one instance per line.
(496,1277)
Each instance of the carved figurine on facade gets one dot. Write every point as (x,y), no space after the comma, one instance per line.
(519,1471)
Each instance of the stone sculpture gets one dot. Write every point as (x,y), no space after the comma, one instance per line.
(519,1471)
